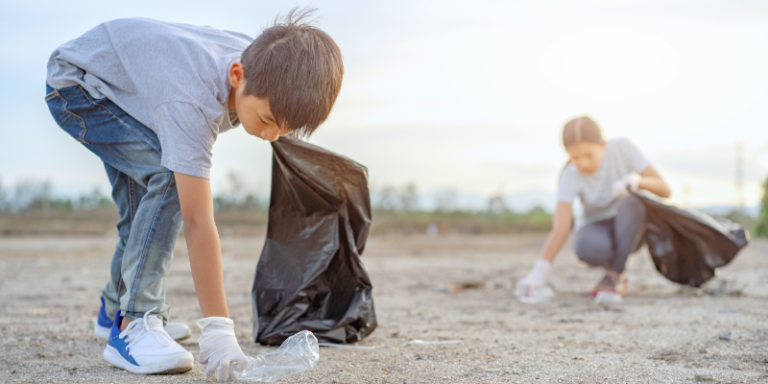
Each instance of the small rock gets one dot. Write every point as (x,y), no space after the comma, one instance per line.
(422,357)
(702,350)
(703,377)
(725,335)
(764,361)
(735,364)
(91,323)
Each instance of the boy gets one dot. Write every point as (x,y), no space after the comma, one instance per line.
(149,99)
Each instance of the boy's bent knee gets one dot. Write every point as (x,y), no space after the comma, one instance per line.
(162,180)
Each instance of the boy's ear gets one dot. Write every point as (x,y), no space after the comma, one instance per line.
(237,75)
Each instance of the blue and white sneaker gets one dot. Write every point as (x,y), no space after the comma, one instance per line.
(103,326)
(145,348)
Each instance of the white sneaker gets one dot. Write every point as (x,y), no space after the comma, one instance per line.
(607,297)
(145,347)
(103,326)
(177,331)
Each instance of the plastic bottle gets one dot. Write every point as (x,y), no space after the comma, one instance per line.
(298,353)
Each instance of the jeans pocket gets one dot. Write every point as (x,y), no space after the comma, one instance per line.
(51,95)
(68,121)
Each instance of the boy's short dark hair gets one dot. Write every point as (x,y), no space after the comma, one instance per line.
(298,68)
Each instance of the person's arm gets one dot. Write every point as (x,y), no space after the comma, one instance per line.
(561,228)
(220,353)
(652,181)
(202,244)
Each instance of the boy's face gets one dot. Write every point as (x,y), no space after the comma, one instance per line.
(253,112)
(586,157)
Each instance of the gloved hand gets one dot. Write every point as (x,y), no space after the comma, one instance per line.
(219,351)
(623,186)
(537,278)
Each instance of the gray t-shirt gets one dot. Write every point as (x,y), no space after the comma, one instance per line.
(621,157)
(171,77)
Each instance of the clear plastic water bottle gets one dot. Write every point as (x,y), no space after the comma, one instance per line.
(298,353)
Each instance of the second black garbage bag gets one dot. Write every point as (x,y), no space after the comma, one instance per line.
(310,275)
(687,246)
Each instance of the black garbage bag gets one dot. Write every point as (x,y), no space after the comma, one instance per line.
(310,276)
(687,246)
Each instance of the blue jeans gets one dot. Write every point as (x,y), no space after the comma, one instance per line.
(143,190)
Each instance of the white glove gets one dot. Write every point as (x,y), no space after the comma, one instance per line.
(537,278)
(219,351)
(623,186)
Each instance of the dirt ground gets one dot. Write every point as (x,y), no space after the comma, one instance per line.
(49,292)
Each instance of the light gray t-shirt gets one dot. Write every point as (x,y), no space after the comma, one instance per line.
(621,157)
(171,77)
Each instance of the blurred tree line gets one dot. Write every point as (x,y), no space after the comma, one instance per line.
(396,210)
(31,196)
(761,228)
(29,207)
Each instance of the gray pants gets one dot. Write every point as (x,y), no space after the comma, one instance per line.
(609,242)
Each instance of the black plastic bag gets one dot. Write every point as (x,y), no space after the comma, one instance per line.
(310,276)
(687,246)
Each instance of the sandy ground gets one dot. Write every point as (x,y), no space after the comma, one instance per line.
(49,291)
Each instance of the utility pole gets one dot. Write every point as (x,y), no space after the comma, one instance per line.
(686,191)
(740,176)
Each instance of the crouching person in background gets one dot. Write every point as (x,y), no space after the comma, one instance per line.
(601,174)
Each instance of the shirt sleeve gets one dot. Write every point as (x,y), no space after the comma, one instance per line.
(632,155)
(186,138)
(568,188)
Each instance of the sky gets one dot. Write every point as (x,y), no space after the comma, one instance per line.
(464,99)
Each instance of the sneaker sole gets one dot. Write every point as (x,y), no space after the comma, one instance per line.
(608,300)
(103,333)
(181,365)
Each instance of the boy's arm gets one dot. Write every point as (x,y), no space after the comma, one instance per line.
(219,351)
(202,244)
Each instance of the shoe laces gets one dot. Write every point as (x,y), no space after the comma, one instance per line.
(138,329)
